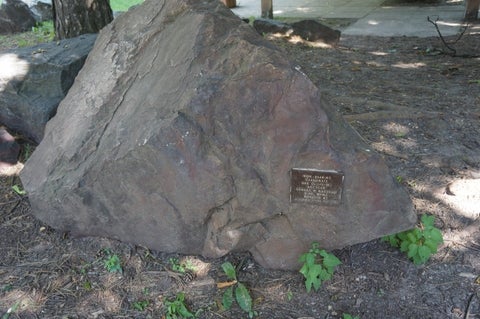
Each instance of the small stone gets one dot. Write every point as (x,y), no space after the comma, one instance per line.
(29,96)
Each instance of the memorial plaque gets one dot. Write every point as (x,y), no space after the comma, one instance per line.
(321,187)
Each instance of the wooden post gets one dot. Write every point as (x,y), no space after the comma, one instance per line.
(230,3)
(471,9)
(267,9)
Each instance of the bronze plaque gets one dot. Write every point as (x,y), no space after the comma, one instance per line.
(321,187)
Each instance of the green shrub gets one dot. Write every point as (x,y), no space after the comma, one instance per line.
(419,243)
(242,295)
(318,266)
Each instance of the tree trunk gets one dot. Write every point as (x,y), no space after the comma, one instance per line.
(75,17)
(267,9)
(471,10)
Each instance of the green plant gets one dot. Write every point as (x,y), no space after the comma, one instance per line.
(123,5)
(44,30)
(349,316)
(289,295)
(181,267)
(234,287)
(112,263)
(141,305)
(318,266)
(11,310)
(19,190)
(420,243)
(176,309)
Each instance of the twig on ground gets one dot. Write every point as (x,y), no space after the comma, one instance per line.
(448,45)
(469,303)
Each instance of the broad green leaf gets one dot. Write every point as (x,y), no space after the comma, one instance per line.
(427,220)
(411,237)
(184,313)
(227,299)
(436,235)
(229,270)
(412,250)
(304,270)
(243,297)
(424,253)
(431,245)
(404,246)
(330,261)
(324,275)
(403,236)
(310,260)
(312,278)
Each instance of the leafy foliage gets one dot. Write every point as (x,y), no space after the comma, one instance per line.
(19,190)
(123,5)
(318,266)
(176,309)
(419,243)
(112,263)
(349,316)
(141,305)
(242,295)
(44,30)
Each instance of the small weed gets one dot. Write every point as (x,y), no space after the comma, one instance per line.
(180,267)
(289,295)
(7,288)
(11,310)
(242,295)
(349,316)
(399,179)
(141,305)
(318,266)
(19,190)
(27,151)
(419,243)
(44,30)
(87,285)
(474,81)
(176,309)
(112,263)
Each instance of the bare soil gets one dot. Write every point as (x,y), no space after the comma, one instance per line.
(415,105)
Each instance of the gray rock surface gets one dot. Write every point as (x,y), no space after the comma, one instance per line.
(308,30)
(33,81)
(314,31)
(15,16)
(272,26)
(180,134)
(9,149)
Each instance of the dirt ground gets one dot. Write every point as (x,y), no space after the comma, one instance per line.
(416,106)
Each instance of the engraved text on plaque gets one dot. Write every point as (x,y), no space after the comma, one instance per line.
(321,187)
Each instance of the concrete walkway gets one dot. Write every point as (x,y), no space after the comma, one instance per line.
(369,17)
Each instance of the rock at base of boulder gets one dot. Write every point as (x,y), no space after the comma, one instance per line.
(9,149)
(15,16)
(33,81)
(308,30)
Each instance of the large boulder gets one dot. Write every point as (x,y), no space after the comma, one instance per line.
(187,132)
(33,81)
(15,16)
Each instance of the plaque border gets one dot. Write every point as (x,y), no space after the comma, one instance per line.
(335,202)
